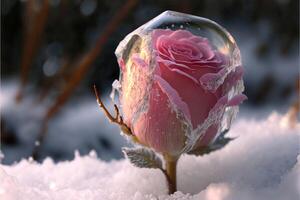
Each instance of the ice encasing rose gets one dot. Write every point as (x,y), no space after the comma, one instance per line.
(181,82)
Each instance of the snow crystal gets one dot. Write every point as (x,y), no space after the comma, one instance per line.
(262,163)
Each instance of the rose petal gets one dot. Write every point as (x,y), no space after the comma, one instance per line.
(211,81)
(122,64)
(172,63)
(157,33)
(197,39)
(138,61)
(159,127)
(177,35)
(236,100)
(173,96)
(163,45)
(206,50)
(197,52)
(209,135)
(176,50)
(194,70)
(208,126)
(135,84)
(191,92)
(185,56)
(232,78)
(180,71)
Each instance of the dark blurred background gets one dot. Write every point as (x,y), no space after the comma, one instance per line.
(53,51)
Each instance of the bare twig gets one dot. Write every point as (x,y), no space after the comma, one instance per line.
(117,119)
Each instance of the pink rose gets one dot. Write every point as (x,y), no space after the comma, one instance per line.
(167,99)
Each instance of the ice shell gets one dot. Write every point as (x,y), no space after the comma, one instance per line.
(138,64)
(116,86)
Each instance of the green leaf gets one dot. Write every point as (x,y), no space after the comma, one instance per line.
(143,158)
(219,143)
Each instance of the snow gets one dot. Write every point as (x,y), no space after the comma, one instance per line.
(80,125)
(263,162)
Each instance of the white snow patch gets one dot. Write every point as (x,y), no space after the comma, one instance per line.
(262,163)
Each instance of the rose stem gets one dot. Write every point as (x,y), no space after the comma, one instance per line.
(170,172)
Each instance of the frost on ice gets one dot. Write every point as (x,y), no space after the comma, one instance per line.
(262,163)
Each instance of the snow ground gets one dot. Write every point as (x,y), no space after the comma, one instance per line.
(262,163)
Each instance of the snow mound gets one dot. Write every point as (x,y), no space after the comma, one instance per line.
(262,163)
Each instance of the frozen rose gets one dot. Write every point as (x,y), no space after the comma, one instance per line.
(171,93)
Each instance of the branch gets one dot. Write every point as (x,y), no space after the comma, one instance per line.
(107,113)
(86,61)
(35,21)
(117,119)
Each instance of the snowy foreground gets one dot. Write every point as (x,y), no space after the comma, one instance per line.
(262,163)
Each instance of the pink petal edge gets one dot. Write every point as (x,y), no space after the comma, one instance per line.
(173,96)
